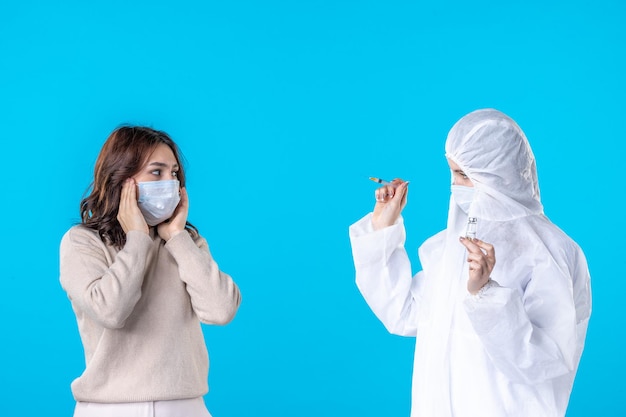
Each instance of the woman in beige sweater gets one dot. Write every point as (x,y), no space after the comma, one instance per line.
(141,280)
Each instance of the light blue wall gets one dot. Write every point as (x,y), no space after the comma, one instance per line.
(283,109)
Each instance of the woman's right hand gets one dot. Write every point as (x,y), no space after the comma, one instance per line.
(390,200)
(128,214)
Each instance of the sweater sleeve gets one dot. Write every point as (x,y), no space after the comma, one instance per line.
(534,336)
(105,289)
(215,297)
(383,274)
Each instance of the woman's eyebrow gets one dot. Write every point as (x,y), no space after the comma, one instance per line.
(161,165)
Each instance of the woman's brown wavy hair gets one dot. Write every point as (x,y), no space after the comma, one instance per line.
(123,154)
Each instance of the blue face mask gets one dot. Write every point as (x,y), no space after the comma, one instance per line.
(463,196)
(158,200)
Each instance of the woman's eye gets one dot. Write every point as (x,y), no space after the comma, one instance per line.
(156,172)
(175,174)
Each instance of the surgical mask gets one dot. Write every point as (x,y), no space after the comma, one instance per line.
(463,196)
(158,200)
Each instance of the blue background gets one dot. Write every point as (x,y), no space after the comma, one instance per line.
(283,109)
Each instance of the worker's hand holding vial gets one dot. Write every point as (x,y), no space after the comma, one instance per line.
(481,258)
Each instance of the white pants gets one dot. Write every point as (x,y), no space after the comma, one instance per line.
(193,407)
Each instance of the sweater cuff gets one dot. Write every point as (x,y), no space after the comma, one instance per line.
(138,240)
(181,244)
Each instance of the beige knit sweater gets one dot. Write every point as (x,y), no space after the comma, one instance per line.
(139,311)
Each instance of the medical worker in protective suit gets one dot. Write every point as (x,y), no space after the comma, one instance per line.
(500,312)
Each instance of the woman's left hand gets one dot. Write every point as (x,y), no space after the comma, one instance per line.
(481,257)
(177,222)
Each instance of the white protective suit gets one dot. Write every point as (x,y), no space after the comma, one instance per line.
(514,349)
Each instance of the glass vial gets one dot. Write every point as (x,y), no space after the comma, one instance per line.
(470,231)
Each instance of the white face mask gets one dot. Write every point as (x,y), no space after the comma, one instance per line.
(463,196)
(158,200)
